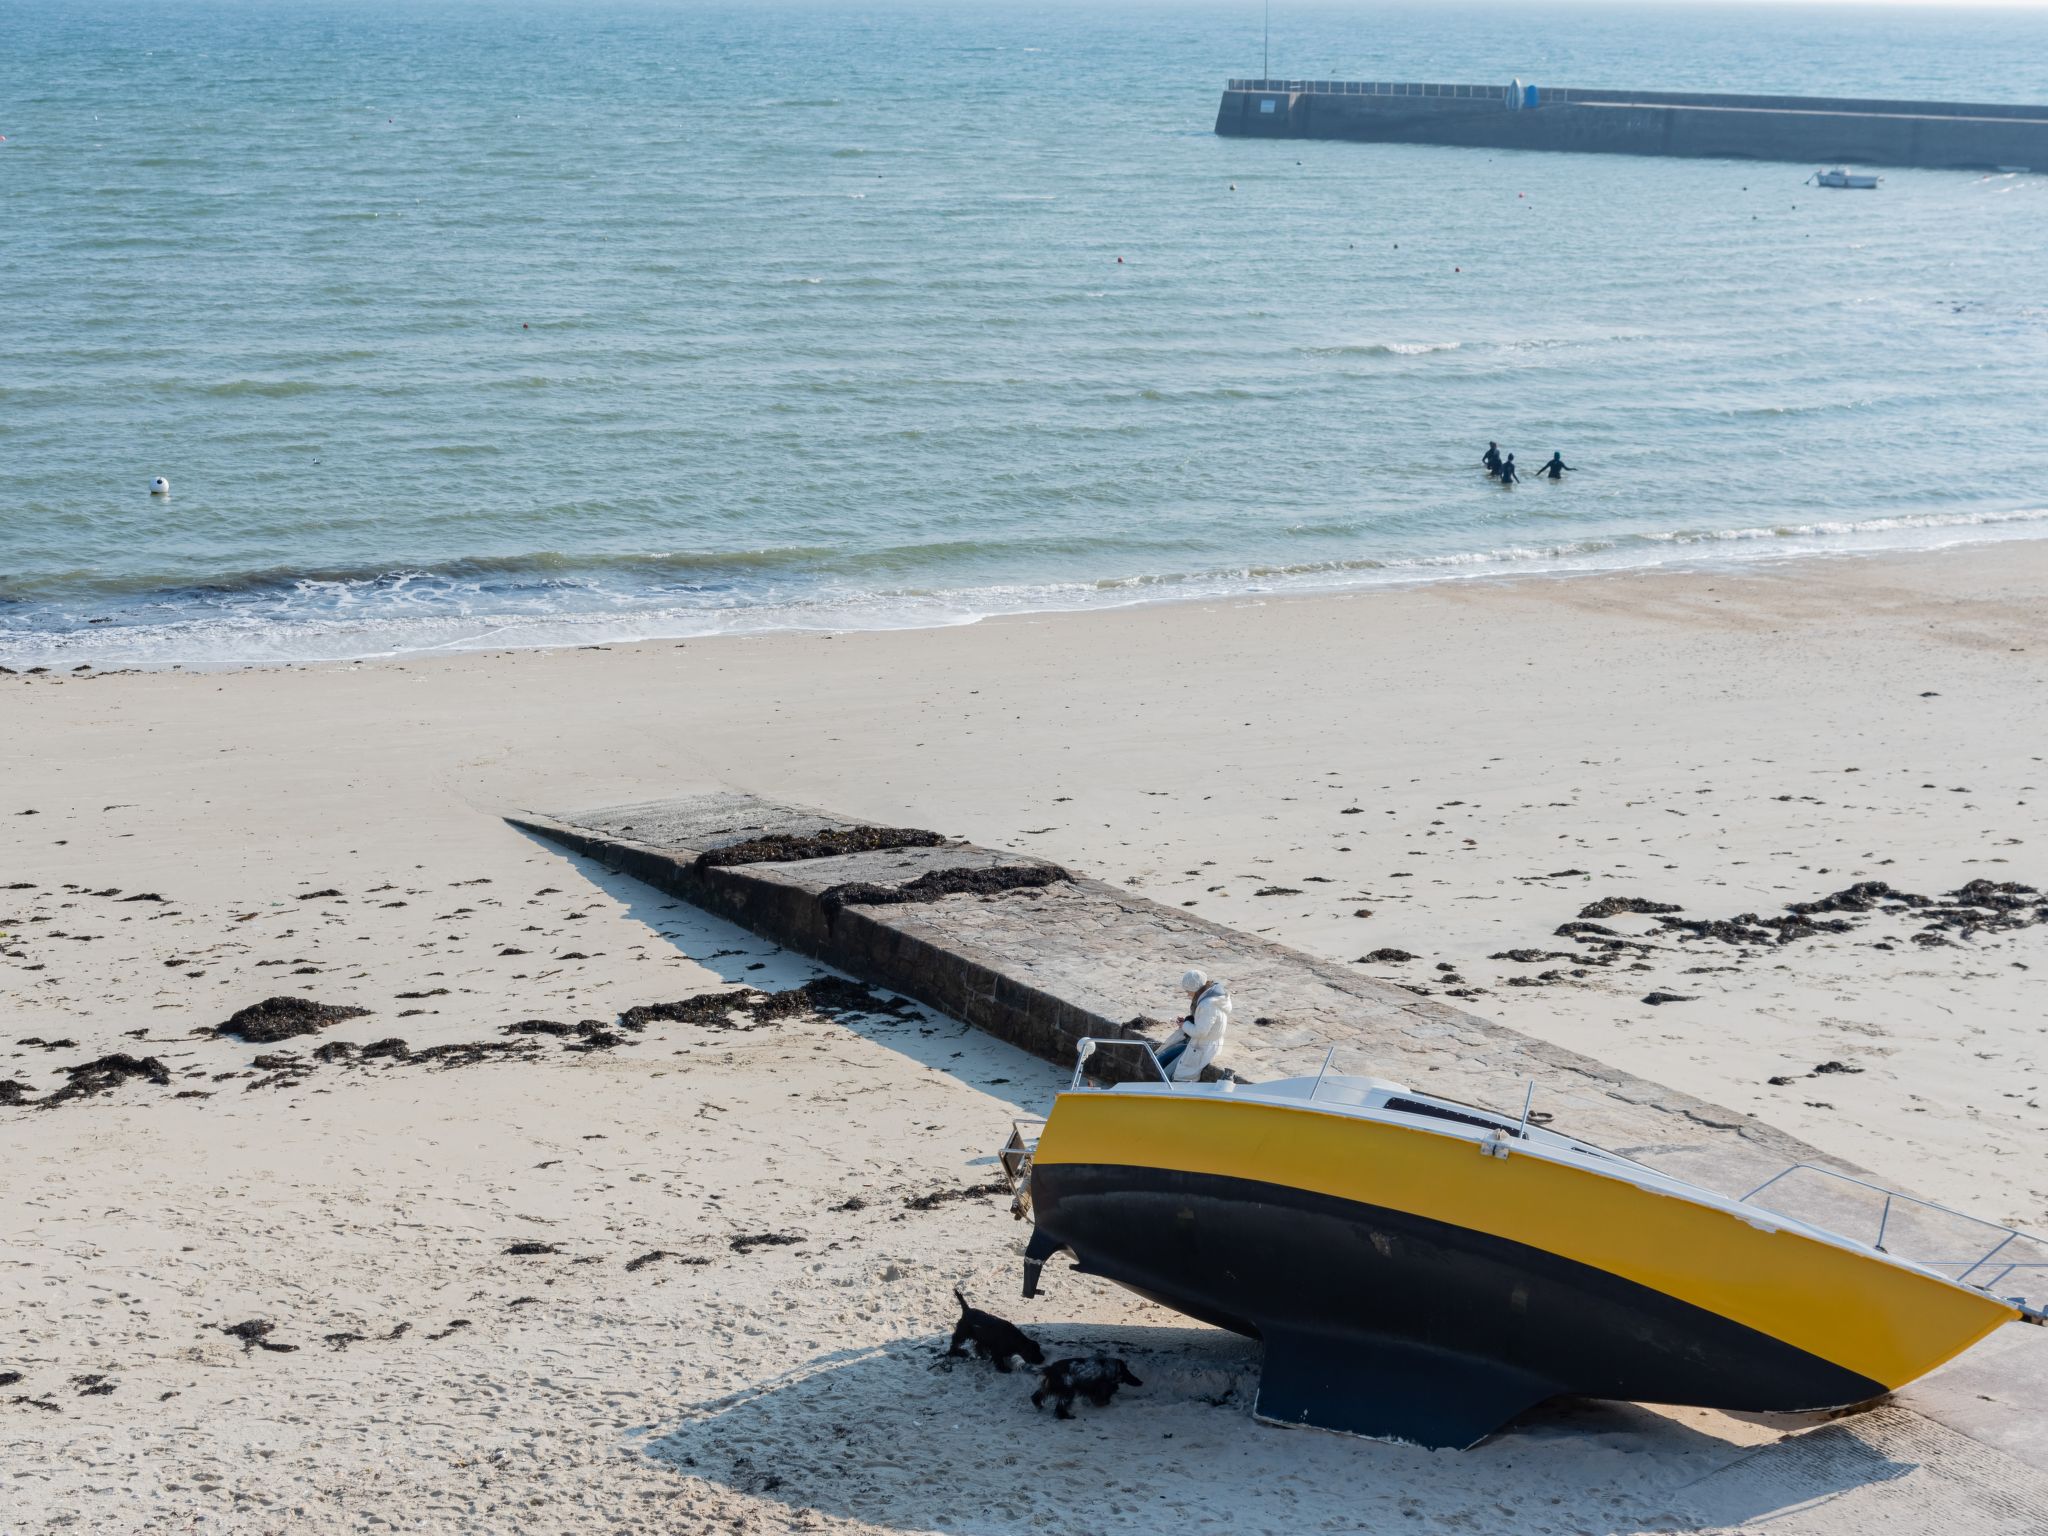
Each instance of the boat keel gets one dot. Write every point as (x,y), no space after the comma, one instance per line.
(1384,1389)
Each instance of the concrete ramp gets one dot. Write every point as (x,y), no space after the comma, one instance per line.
(1043,964)
(1042,956)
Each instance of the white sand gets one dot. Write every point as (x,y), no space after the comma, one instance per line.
(1684,738)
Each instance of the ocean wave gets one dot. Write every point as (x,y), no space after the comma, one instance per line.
(622,574)
(480,571)
(550,598)
(1385,349)
(1838,528)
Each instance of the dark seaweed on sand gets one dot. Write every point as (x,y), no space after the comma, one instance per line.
(461,1053)
(939,1197)
(255,1334)
(1612,906)
(655,1256)
(282,1018)
(745,1008)
(92,1078)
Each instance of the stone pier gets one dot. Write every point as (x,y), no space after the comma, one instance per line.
(1815,130)
(1043,964)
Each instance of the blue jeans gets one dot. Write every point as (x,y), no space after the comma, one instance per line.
(1171,1054)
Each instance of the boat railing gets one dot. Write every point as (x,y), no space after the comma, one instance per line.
(2010,1264)
(1090,1045)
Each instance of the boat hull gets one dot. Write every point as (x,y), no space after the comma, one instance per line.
(1407,1287)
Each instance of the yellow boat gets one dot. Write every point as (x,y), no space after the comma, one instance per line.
(1423,1270)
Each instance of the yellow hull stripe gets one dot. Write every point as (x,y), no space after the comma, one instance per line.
(1867,1316)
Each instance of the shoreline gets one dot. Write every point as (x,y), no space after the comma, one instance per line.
(1699,558)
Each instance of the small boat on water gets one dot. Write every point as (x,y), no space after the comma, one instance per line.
(1424,1270)
(1841,176)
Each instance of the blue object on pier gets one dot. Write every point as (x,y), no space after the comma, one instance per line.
(1529,96)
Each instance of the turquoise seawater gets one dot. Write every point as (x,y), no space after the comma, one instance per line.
(525,323)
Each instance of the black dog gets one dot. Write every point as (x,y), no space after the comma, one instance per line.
(992,1337)
(1095,1377)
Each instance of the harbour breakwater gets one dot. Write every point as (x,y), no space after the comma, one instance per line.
(1937,135)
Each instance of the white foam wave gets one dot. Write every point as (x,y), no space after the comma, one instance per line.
(322,621)
(1386,348)
(1834,529)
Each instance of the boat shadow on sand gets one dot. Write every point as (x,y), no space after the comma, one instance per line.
(899,1436)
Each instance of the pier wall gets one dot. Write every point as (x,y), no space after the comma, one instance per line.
(1041,967)
(1935,135)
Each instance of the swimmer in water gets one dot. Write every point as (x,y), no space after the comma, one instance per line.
(1556,467)
(1491,458)
(1507,471)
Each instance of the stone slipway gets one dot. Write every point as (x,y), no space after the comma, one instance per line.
(1043,965)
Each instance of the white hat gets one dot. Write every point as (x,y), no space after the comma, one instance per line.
(1193,981)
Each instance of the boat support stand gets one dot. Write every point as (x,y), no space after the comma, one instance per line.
(1384,1389)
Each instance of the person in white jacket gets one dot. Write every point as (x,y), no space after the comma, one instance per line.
(1200,1035)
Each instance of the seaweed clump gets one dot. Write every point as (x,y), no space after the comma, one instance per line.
(744,1008)
(255,1334)
(1861,897)
(586,1035)
(92,1078)
(943,882)
(1613,906)
(463,1053)
(713,1010)
(939,1197)
(284,1018)
(789,847)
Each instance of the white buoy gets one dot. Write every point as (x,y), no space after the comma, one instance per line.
(159,486)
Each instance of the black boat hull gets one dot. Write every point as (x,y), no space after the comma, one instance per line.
(1385,1323)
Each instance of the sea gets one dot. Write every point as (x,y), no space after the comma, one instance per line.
(460,324)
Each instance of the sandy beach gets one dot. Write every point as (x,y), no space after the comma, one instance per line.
(700,1278)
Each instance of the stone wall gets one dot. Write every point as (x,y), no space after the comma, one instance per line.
(1815,130)
(1042,967)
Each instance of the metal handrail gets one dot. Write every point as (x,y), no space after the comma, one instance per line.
(1089,1045)
(2008,1234)
(1328,1056)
